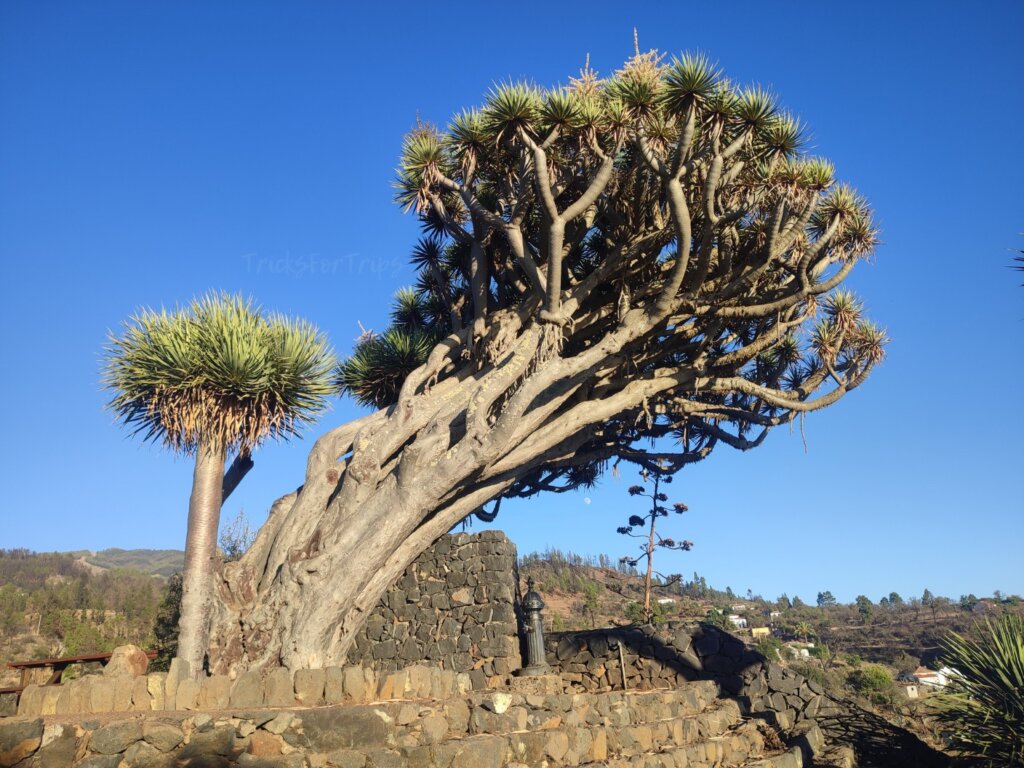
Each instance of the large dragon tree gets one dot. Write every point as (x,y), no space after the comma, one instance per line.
(648,255)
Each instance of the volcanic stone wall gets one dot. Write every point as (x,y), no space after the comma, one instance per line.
(454,607)
(651,658)
(435,727)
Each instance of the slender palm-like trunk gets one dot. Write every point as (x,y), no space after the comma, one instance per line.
(200,554)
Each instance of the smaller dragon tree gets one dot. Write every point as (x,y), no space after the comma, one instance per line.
(651,539)
(207,380)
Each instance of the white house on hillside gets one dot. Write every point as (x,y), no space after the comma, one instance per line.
(935,679)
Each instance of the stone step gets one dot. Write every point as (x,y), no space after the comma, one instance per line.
(738,746)
(674,732)
(791,758)
(501,713)
(572,746)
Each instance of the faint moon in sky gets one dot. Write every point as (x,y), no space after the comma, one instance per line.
(586,500)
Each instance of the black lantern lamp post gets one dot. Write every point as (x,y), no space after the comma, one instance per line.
(536,659)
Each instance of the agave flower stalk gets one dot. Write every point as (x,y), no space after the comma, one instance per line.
(651,539)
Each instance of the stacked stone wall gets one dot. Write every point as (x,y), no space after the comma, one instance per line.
(651,658)
(473,730)
(160,691)
(454,607)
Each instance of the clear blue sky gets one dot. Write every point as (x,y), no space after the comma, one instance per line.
(152,151)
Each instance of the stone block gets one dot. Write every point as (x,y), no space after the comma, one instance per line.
(215,692)
(124,686)
(219,741)
(813,706)
(309,687)
(385,758)
(247,690)
(480,752)
(163,735)
(156,685)
(186,696)
(334,685)
(809,738)
(30,703)
(407,713)
(99,761)
(59,747)
(63,701)
(264,744)
(393,685)
(278,690)
(707,644)
(129,660)
(416,757)
(19,739)
(785,719)
(457,713)
(142,755)
(141,699)
(419,681)
(498,703)
(435,729)
(333,728)
(355,685)
(346,758)
(279,724)
(115,737)
(528,747)
(49,696)
(101,694)
(178,671)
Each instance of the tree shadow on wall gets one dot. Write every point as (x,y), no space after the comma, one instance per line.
(714,654)
(877,742)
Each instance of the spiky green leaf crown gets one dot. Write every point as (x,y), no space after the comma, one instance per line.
(218,371)
(647,105)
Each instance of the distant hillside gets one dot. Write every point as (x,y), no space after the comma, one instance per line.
(59,604)
(156,562)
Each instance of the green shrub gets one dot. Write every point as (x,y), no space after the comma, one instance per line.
(874,683)
(769,647)
(984,713)
(813,673)
(819,651)
(635,612)
(869,679)
(717,618)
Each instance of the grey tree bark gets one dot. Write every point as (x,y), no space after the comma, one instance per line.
(200,555)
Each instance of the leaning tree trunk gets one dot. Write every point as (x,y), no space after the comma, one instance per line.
(380,490)
(200,555)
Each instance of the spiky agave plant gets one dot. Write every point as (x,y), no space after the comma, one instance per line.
(215,377)
(985,711)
